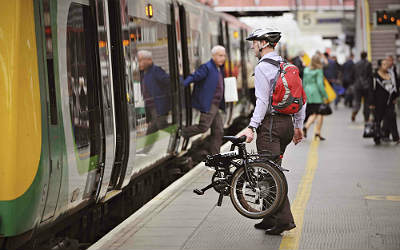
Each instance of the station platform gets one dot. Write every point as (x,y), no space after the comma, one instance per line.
(344,194)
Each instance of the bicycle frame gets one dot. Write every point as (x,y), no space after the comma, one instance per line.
(221,162)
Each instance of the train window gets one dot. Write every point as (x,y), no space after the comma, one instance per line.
(194,40)
(77,68)
(104,58)
(214,33)
(195,46)
(235,55)
(52,91)
(150,74)
(50,64)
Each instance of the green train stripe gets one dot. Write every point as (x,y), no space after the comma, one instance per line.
(154,137)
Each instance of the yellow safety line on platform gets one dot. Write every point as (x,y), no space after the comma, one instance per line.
(291,239)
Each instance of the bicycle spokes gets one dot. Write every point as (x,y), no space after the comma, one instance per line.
(259,197)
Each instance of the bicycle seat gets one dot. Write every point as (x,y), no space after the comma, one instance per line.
(235,140)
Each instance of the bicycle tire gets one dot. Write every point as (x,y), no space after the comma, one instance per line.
(284,186)
(269,181)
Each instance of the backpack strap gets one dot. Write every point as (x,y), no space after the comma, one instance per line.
(271,61)
(278,65)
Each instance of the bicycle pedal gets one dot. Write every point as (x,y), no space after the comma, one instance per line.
(198,192)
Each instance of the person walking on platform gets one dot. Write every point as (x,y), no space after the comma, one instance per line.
(348,81)
(208,98)
(389,121)
(298,62)
(332,74)
(362,84)
(383,98)
(274,130)
(313,83)
(392,68)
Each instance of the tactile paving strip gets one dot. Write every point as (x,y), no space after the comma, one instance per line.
(227,229)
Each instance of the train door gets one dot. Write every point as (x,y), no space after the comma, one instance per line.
(233,33)
(224,26)
(247,71)
(243,62)
(192,55)
(54,131)
(152,79)
(107,97)
(82,121)
(185,91)
(124,102)
(177,60)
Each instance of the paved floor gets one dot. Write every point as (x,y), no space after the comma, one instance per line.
(344,193)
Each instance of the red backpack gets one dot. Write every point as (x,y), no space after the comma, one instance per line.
(288,95)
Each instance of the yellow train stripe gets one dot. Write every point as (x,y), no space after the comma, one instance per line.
(291,239)
(20,111)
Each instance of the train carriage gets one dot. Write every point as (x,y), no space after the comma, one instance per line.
(83,122)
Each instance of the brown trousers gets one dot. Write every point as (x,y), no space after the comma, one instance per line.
(211,119)
(274,134)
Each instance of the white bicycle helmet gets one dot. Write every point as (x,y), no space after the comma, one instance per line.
(271,35)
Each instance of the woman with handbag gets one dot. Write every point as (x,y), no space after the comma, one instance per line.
(383,95)
(313,84)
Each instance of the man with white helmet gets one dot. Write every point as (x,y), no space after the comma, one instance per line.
(274,130)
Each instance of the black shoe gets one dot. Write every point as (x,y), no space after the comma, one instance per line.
(278,229)
(353,116)
(305,132)
(264,225)
(320,137)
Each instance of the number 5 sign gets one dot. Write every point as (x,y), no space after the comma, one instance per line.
(306,19)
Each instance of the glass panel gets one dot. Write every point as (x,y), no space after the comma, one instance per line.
(151,81)
(194,52)
(106,94)
(77,78)
(104,61)
(193,41)
(234,38)
(214,33)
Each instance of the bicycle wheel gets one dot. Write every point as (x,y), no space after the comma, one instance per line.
(284,186)
(265,197)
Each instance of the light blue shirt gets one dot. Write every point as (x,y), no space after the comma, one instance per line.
(264,76)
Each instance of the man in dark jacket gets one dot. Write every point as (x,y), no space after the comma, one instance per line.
(156,90)
(348,80)
(298,62)
(208,98)
(362,84)
(332,74)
